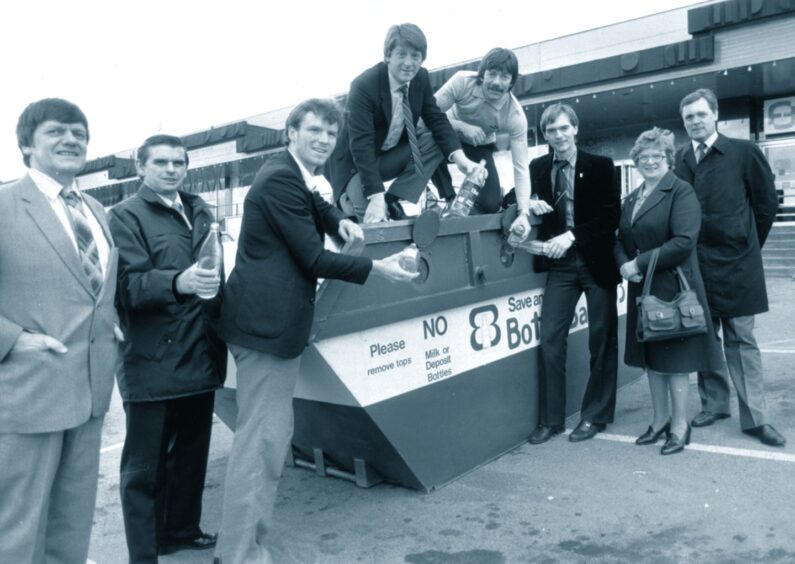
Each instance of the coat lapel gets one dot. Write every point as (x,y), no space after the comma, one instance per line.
(546,178)
(45,219)
(386,95)
(657,196)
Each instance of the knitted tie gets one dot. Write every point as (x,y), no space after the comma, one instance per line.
(561,200)
(412,133)
(86,245)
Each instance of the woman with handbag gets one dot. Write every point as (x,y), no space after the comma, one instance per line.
(660,222)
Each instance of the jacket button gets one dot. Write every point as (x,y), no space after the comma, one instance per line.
(311,300)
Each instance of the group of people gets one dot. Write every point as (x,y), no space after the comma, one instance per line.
(85,295)
(707,209)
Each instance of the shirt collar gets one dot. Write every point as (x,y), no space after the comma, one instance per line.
(49,186)
(168,202)
(572,160)
(709,141)
(393,84)
(309,179)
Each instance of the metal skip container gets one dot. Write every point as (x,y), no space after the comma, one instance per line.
(417,384)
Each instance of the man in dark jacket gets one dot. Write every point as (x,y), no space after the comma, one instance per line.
(580,199)
(173,360)
(380,141)
(267,314)
(736,189)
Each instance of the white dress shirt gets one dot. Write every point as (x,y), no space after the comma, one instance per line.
(52,190)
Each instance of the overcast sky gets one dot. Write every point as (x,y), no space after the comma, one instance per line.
(175,66)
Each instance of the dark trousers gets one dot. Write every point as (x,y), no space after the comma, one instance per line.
(568,278)
(163,466)
(490,197)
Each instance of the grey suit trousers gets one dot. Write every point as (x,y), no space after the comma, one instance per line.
(48,488)
(744,364)
(263,432)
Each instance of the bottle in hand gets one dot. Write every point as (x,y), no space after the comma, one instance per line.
(211,255)
(468,193)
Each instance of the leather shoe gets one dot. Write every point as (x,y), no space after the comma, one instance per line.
(201,542)
(586,430)
(707,418)
(651,436)
(674,444)
(543,433)
(395,211)
(767,435)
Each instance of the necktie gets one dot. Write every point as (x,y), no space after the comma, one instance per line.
(181,211)
(701,152)
(86,245)
(561,196)
(412,133)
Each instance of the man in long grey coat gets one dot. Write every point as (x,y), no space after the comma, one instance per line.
(736,189)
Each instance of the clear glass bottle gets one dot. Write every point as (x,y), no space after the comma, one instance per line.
(211,255)
(409,259)
(461,206)
(516,236)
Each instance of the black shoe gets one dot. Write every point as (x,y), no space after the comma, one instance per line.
(651,436)
(707,418)
(395,211)
(674,444)
(767,435)
(543,433)
(586,430)
(201,542)
(216,560)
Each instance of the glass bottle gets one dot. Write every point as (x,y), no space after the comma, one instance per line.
(211,255)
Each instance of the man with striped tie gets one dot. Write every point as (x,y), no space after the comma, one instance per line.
(379,142)
(173,359)
(59,341)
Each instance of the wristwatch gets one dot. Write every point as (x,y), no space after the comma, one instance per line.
(524,212)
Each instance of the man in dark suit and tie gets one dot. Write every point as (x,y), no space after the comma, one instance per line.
(59,342)
(379,141)
(580,199)
(736,189)
(267,313)
(173,360)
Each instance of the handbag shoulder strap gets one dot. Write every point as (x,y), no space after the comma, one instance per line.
(650,272)
(683,285)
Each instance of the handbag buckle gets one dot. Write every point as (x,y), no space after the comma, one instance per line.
(659,315)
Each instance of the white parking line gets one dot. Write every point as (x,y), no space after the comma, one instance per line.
(745,452)
(110,448)
(779,351)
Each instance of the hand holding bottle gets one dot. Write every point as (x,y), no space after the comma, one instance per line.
(199,281)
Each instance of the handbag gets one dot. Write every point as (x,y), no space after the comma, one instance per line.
(659,320)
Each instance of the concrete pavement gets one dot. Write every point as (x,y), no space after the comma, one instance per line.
(727,498)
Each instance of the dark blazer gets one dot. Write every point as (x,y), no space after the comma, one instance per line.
(736,189)
(268,303)
(43,288)
(596,211)
(171,349)
(368,113)
(669,220)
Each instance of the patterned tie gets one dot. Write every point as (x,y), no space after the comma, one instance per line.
(412,133)
(701,152)
(86,245)
(561,193)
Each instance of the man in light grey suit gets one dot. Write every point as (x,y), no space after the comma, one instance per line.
(58,342)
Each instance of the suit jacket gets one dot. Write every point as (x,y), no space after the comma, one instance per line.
(44,289)
(669,220)
(172,349)
(597,200)
(368,113)
(268,303)
(737,192)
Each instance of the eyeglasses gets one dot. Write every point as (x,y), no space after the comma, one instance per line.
(650,158)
